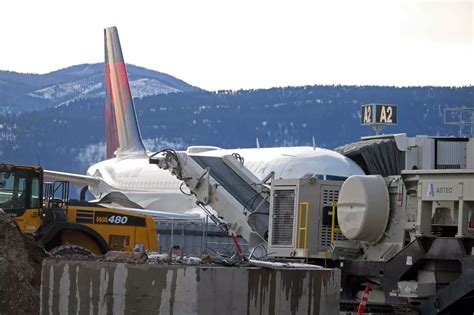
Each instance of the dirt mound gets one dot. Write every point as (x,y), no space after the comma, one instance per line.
(20,270)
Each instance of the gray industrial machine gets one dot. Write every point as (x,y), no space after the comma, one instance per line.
(301,222)
(223,186)
(412,236)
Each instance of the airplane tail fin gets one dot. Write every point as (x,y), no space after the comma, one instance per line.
(122,132)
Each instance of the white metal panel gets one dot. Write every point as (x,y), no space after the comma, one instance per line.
(470,154)
(451,154)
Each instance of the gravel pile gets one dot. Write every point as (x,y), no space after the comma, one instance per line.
(20,270)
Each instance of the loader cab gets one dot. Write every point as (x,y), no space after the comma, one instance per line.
(21,195)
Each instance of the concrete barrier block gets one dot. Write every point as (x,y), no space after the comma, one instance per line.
(97,287)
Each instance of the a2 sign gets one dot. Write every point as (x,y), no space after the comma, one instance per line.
(379,114)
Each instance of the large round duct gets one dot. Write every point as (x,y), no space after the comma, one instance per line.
(363,208)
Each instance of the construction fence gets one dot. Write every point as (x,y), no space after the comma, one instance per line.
(195,237)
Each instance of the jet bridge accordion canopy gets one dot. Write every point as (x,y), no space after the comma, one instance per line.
(376,156)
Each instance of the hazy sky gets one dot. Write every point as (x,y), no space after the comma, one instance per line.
(251,44)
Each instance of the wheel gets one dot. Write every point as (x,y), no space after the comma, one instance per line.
(71,250)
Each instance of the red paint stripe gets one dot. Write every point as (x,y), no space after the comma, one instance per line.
(112,143)
(236,243)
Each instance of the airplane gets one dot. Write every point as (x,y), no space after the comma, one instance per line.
(127,169)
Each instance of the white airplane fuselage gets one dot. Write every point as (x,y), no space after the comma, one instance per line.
(157,189)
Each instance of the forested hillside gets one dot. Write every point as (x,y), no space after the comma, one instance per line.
(71,137)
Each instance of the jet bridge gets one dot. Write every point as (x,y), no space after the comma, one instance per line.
(224,184)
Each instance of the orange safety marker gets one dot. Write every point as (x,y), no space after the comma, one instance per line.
(236,242)
(363,300)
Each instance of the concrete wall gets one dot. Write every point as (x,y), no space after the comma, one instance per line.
(91,287)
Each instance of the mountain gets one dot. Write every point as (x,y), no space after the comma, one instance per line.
(20,92)
(71,137)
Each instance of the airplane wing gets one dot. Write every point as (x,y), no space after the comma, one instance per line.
(154,213)
(75,179)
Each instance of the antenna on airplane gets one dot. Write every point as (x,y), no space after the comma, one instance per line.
(258,143)
(314,143)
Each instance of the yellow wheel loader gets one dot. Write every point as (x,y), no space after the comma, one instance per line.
(70,226)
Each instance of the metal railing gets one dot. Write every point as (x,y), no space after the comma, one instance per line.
(195,237)
(334,229)
(303,226)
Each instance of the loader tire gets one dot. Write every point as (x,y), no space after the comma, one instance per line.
(71,250)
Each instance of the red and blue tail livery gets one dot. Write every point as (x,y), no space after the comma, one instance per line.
(122,131)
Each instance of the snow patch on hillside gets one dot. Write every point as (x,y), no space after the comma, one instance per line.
(69,90)
(93,87)
(91,154)
(146,87)
(160,143)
